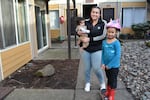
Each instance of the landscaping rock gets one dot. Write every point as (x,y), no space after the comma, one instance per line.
(48,70)
(135,69)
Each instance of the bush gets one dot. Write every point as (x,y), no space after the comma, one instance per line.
(147,43)
(141,29)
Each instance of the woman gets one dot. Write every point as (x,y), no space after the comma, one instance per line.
(91,55)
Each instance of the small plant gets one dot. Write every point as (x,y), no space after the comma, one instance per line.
(147,43)
(141,29)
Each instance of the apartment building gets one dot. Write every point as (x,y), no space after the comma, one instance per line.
(128,11)
(24,26)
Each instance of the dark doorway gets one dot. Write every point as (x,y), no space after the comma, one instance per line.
(40,27)
(73,15)
(87,10)
(108,13)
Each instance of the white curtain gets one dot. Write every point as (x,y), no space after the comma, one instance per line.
(133,16)
(54,19)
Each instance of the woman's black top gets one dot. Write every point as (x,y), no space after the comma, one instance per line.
(96,35)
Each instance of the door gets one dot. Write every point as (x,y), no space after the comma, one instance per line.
(40,27)
(87,10)
(108,13)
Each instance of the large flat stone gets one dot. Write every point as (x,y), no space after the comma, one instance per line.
(41,94)
(82,95)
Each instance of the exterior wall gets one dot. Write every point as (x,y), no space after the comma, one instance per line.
(116,4)
(14,58)
(127,30)
(32,30)
(54,33)
(94,1)
(133,4)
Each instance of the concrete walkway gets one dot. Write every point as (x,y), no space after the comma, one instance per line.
(66,94)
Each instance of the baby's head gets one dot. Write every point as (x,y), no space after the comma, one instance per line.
(113,27)
(81,21)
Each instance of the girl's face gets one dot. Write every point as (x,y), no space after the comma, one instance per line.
(95,13)
(111,33)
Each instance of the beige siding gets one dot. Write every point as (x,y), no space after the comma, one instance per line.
(55,34)
(133,4)
(127,31)
(13,59)
(53,7)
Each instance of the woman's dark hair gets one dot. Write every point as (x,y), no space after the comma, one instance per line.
(79,19)
(97,8)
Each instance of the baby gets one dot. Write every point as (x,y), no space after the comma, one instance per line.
(84,32)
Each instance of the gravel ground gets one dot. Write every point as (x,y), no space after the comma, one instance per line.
(135,69)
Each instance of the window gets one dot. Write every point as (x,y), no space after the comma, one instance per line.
(21,12)
(54,19)
(133,16)
(12,30)
(8,23)
(1,39)
(108,13)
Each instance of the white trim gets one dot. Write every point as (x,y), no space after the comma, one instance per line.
(42,49)
(14,46)
(28,24)
(47,31)
(1,69)
(2,30)
(27,4)
(15,18)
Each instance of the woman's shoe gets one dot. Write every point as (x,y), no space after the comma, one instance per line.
(87,87)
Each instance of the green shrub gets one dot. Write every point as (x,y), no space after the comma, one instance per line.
(147,44)
(140,29)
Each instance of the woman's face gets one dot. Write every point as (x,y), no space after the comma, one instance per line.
(95,13)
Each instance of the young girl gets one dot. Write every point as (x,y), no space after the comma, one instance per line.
(111,54)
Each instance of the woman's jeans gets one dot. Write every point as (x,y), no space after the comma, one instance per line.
(92,60)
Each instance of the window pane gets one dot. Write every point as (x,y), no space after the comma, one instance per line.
(54,19)
(133,16)
(1,40)
(44,28)
(139,15)
(22,21)
(127,17)
(8,22)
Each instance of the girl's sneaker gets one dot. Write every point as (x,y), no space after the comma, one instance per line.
(87,87)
